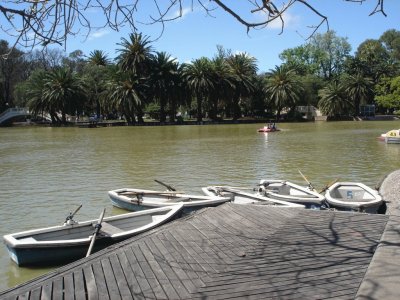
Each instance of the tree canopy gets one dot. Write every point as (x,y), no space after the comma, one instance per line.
(32,23)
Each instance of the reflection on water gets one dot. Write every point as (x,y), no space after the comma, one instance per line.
(48,172)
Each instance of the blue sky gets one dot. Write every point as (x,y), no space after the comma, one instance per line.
(196,34)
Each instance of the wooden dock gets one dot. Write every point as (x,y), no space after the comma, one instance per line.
(233,252)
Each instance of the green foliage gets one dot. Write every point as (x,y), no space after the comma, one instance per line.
(283,88)
(388,93)
(333,100)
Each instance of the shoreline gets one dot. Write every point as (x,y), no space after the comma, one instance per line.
(110,123)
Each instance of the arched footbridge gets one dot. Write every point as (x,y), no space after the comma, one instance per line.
(19,114)
(13,114)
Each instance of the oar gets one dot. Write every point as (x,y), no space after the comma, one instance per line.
(328,185)
(71,215)
(309,183)
(169,187)
(128,193)
(96,231)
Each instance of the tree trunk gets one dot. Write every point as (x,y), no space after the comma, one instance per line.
(199,109)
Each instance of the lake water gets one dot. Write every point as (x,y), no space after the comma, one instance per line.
(48,172)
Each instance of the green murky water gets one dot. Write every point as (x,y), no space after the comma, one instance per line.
(47,172)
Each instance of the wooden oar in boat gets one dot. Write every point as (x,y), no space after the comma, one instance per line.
(169,187)
(328,185)
(127,193)
(309,183)
(96,231)
(72,214)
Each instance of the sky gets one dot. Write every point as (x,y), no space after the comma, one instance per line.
(196,34)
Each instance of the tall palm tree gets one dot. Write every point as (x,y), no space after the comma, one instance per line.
(223,84)
(98,58)
(360,89)
(124,95)
(244,69)
(135,54)
(163,70)
(333,100)
(59,91)
(199,78)
(283,88)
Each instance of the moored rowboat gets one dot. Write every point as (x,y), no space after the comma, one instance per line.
(68,242)
(239,196)
(353,196)
(138,199)
(291,192)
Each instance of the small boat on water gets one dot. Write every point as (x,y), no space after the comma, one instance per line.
(240,196)
(391,137)
(287,191)
(71,241)
(138,199)
(353,196)
(271,127)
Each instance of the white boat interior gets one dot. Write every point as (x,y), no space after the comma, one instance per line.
(285,190)
(81,232)
(240,196)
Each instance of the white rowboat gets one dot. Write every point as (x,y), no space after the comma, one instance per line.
(291,192)
(239,196)
(138,199)
(353,196)
(68,242)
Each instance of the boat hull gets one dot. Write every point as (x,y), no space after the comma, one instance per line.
(353,196)
(60,244)
(291,192)
(49,256)
(160,199)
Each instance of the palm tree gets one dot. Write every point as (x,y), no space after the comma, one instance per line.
(58,91)
(124,95)
(244,69)
(199,78)
(37,104)
(223,84)
(163,71)
(359,89)
(98,58)
(333,100)
(135,54)
(283,88)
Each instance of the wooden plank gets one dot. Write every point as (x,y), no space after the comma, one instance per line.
(69,293)
(121,280)
(35,293)
(182,264)
(158,271)
(169,256)
(148,272)
(100,279)
(138,273)
(58,289)
(111,282)
(24,296)
(173,278)
(79,281)
(133,284)
(47,291)
(90,283)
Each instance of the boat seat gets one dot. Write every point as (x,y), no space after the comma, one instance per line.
(109,229)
